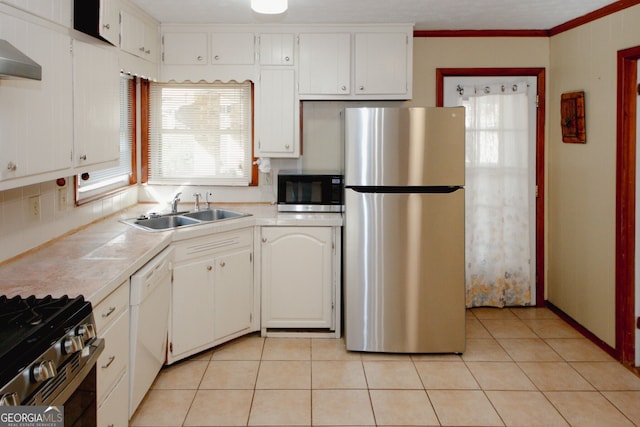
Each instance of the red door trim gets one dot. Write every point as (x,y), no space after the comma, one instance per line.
(626,204)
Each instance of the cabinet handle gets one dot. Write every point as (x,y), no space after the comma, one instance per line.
(141,49)
(361,88)
(264,240)
(222,263)
(286,146)
(216,57)
(148,51)
(111,359)
(209,268)
(286,58)
(83,157)
(199,58)
(108,313)
(107,26)
(12,167)
(343,88)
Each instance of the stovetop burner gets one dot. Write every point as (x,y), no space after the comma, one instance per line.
(30,325)
(29,311)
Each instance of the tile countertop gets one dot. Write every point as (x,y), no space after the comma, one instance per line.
(94,260)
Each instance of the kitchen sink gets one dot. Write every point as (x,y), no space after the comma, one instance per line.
(214,214)
(164,222)
(156,222)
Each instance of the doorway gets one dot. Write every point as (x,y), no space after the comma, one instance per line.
(451,85)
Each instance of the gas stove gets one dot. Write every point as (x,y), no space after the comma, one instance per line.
(48,347)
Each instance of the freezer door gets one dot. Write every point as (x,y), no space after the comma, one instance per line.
(404,146)
(404,272)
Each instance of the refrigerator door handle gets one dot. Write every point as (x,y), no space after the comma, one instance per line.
(407,190)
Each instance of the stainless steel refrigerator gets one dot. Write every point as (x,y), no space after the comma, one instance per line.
(404,230)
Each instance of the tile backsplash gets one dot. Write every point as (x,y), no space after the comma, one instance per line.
(31,216)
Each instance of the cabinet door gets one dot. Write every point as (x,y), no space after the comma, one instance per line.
(151,43)
(192,313)
(232,48)
(114,410)
(138,37)
(381,63)
(325,63)
(132,34)
(278,134)
(233,296)
(297,277)
(96,95)
(36,117)
(276,49)
(109,22)
(185,48)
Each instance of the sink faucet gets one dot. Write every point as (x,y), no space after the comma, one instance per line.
(206,197)
(174,203)
(197,206)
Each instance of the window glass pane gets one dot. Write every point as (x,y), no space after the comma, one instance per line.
(200,133)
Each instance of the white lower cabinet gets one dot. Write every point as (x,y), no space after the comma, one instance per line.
(112,368)
(211,292)
(111,411)
(300,271)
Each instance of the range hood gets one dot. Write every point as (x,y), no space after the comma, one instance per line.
(15,64)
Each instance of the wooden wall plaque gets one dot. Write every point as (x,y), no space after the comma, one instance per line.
(572,118)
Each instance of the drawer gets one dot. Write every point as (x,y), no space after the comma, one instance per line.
(111,308)
(212,245)
(115,358)
(114,409)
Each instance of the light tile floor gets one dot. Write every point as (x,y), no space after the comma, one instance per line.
(522,367)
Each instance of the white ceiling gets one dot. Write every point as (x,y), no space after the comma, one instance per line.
(425,14)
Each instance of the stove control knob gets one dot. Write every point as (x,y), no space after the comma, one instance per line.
(86,332)
(43,371)
(9,399)
(72,345)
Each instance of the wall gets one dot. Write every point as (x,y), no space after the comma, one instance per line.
(582,178)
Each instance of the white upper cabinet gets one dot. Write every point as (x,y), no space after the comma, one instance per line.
(325,64)
(361,64)
(381,63)
(232,48)
(276,49)
(139,38)
(278,118)
(99,18)
(185,48)
(36,116)
(96,96)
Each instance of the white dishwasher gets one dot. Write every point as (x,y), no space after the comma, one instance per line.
(149,307)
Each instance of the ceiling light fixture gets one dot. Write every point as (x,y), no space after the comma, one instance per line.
(270,7)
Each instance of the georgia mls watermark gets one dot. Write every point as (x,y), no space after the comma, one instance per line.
(31,416)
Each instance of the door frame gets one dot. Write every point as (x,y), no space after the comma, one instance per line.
(626,204)
(539,73)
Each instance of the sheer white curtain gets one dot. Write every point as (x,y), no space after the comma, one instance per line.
(497,197)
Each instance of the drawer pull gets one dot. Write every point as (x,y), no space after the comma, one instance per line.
(109,313)
(111,359)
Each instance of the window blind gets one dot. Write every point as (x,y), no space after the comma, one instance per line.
(104,180)
(200,133)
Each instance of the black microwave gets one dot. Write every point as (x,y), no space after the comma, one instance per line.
(310,191)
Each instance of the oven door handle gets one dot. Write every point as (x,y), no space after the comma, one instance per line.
(95,349)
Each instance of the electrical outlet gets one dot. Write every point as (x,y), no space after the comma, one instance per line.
(34,207)
(62,198)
